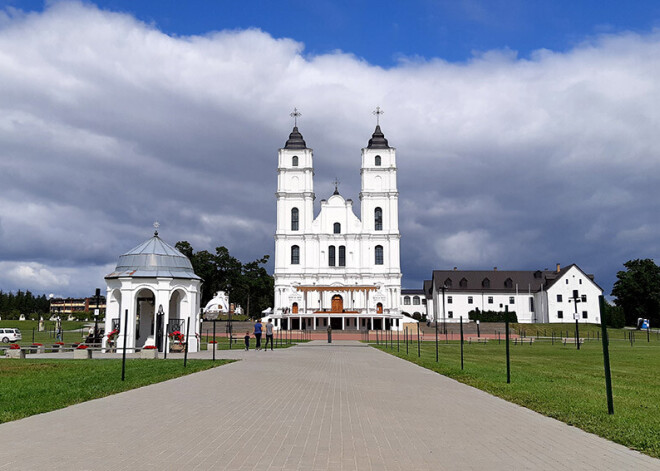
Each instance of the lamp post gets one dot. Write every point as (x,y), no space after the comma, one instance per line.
(160,316)
(576,300)
(96,315)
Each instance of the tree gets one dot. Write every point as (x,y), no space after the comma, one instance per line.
(614,316)
(637,291)
(246,284)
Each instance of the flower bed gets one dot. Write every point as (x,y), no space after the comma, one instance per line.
(14,346)
(82,347)
(149,347)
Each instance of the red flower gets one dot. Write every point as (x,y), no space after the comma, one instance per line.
(59,343)
(112,334)
(37,344)
(213,341)
(177,335)
(149,347)
(81,347)
(14,346)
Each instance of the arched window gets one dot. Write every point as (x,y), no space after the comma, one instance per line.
(377,161)
(416,300)
(378,219)
(448,283)
(508,283)
(336,228)
(294,308)
(406,300)
(379,255)
(463,283)
(294,219)
(342,255)
(485,283)
(295,255)
(294,161)
(331,256)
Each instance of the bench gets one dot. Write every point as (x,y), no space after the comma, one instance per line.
(566,340)
(477,339)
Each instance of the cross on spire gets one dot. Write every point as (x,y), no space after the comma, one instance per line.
(156,226)
(295,116)
(378,112)
(336,183)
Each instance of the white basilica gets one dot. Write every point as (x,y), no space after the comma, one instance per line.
(334,269)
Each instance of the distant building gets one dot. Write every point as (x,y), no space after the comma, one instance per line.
(68,306)
(536,296)
(413,301)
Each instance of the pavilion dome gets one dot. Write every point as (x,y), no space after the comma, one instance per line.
(154,258)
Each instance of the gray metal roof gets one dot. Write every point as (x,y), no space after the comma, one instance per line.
(295,140)
(378,140)
(154,258)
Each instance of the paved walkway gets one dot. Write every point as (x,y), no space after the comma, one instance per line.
(314,406)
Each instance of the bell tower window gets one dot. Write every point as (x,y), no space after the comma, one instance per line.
(378,219)
(331,256)
(377,161)
(294,161)
(295,255)
(379,255)
(336,229)
(294,219)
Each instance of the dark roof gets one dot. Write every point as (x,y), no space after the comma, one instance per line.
(296,140)
(378,140)
(409,292)
(500,280)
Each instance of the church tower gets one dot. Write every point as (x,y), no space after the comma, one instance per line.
(379,199)
(295,206)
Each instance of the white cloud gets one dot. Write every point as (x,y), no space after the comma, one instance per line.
(107,124)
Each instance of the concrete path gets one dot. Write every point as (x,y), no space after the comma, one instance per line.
(314,406)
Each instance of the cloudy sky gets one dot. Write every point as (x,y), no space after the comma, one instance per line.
(525,135)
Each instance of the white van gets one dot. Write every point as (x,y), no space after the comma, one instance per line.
(10,335)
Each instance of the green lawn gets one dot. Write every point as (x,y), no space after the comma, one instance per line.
(561,382)
(31,387)
(72,331)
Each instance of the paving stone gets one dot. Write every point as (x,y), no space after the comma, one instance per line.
(343,406)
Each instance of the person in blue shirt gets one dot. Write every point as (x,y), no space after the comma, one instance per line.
(257,333)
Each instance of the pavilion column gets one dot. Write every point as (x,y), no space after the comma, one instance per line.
(371,324)
(342,323)
(357,323)
(315,322)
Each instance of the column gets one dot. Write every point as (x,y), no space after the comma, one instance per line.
(343,327)
(371,325)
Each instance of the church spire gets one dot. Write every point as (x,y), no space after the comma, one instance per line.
(295,140)
(378,140)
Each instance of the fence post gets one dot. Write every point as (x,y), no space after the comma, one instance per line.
(397,340)
(419,352)
(215,342)
(185,352)
(606,357)
(123,356)
(506,326)
(461,342)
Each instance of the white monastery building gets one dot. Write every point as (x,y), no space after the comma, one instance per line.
(536,296)
(333,268)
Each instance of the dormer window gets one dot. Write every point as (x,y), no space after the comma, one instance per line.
(294,161)
(463,283)
(485,283)
(448,283)
(336,228)
(508,283)
(377,161)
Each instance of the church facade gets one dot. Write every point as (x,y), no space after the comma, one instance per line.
(333,268)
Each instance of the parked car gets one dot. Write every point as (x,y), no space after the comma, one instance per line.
(10,335)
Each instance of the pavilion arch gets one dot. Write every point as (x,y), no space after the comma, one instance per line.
(145,314)
(113,308)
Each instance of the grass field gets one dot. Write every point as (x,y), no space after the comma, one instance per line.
(72,331)
(31,387)
(561,382)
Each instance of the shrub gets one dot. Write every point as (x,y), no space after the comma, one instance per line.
(492,316)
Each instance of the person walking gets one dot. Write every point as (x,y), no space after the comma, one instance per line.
(247,340)
(257,334)
(269,334)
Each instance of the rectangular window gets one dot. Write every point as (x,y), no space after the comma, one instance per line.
(531,304)
(449,300)
(584,298)
(342,255)
(559,298)
(469,299)
(511,300)
(450,314)
(331,256)
(490,300)
(379,255)
(584,315)
(424,301)
(560,314)
(416,300)
(580,281)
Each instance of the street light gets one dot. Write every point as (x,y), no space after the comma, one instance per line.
(576,316)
